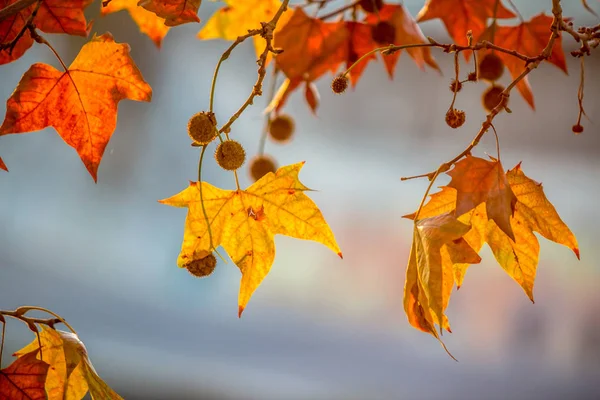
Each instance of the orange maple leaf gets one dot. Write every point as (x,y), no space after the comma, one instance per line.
(477,181)
(81,102)
(175,12)
(460,16)
(53,16)
(406,32)
(310,46)
(150,24)
(2,165)
(361,42)
(528,38)
(24,379)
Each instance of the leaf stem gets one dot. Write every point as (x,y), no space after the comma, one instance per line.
(41,40)
(340,10)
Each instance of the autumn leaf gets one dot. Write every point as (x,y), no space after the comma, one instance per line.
(24,379)
(311,47)
(151,25)
(53,16)
(434,269)
(174,12)
(311,95)
(2,165)
(528,38)
(80,103)
(533,213)
(244,222)
(71,374)
(240,16)
(460,16)
(477,181)
(406,32)
(361,42)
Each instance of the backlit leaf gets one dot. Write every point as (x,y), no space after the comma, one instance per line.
(244,222)
(477,181)
(151,25)
(533,213)
(80,103)
(311,47)
(239,16)
(174,12)
(53,16)
(460,16)
(2,165)
(406,32)
(24,379)
(71,374)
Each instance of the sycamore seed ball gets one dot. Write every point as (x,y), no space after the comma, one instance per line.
(261,165)
(492,97)
(230,155)
(491,67)
(202,267)
(281,128)
(202,127)
(455,86)
(455,118)
(339,84)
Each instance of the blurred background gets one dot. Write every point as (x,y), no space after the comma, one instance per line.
(104,255)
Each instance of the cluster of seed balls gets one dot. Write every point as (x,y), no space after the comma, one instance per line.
(230,154)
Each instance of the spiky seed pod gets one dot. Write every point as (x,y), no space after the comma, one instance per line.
(492,97)
(577,129)
(202,127)
(455,118)
(230,155)
(202,267)
(472,77)
(281,128)
(371,5)
(491,67)
(339,84)
(455,86)
(260,166)
(384,33)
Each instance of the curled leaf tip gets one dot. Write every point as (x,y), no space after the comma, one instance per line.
(240,311)
(340,255)
(576,251)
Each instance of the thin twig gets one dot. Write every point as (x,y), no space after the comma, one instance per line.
(340,10)
(267,34)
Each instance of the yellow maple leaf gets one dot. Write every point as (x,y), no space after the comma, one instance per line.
(150,24)
(239,16)
(71,374)
(244,222)
(437,244)
(533,213)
